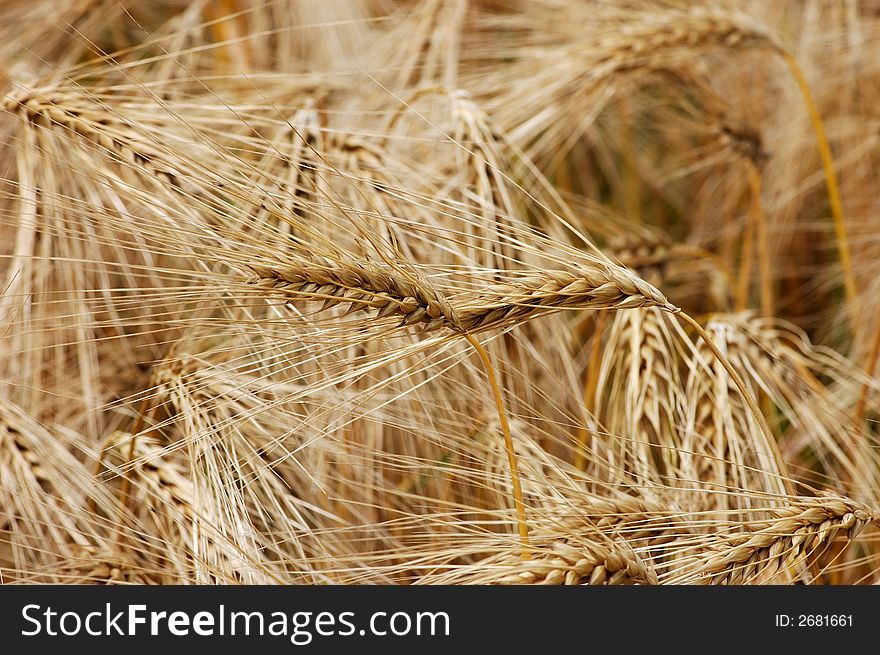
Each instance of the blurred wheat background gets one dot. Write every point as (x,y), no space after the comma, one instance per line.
(439,291)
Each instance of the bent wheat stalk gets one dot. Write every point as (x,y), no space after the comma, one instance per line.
(849,281)
(508,444)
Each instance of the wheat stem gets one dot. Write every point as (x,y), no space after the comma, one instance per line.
(746,259)
(872,366)
(508,444)
(102,453)
(849,282)
(760,221)
(592,381)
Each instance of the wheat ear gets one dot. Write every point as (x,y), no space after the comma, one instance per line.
(80,114)
(368,286)
(740,385)
(799,535)
(584,564)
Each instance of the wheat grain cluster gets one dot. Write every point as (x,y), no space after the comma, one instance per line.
(439,292)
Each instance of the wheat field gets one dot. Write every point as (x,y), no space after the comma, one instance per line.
(439,292)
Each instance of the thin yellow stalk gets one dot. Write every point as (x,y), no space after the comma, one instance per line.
(872,366)
(508,444)
(849,282)
(632,192)
(745,269)
(224,28)
(760,221)
(99,463)
(590,385)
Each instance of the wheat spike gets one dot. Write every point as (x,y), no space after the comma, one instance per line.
(768,550)
(585,564)
(500,305)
